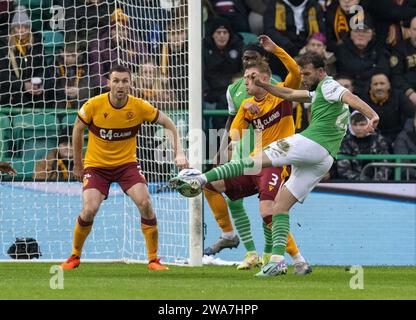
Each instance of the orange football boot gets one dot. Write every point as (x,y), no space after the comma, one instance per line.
(71,263)
(156,265)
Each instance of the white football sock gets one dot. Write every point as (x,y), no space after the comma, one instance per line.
(228,235)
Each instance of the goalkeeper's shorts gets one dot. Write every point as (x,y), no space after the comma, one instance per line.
(126,175)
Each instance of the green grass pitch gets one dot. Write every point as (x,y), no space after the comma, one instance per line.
(134,281)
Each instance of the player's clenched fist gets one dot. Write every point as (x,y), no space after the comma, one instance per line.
(267,43)
(372,124)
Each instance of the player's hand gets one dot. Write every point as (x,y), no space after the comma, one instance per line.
(79,172)
(252,107)
(181,161)
(267,43)
(372,124)
(5,167)
(255,78)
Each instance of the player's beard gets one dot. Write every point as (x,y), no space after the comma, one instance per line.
(314,85)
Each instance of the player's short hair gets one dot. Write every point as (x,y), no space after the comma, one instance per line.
(118,68)
(257,48)
(260,65)
(358,117)
(311,58)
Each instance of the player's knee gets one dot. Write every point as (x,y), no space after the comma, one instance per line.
(90,210)
(279,208)
(266,208)
(144,204)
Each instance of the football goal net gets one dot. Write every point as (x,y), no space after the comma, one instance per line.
(54,57)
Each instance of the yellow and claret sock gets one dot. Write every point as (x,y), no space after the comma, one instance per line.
(81,232)
(219,208)
(151,236)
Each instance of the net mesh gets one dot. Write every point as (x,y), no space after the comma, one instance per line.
(55,55)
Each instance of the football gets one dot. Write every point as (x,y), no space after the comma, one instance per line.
(186,190)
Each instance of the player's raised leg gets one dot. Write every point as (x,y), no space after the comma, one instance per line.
(141,197)
(92,199)
(234,168)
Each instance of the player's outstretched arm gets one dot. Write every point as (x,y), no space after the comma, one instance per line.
(283,92)
(77,143)
(355,102)
(293,78)
(180,159)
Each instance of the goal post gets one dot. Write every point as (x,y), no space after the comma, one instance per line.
(161,45)
(195,125)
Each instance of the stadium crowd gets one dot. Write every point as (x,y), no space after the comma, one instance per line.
(371,52)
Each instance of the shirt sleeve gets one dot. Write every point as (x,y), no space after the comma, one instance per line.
(86,112)
(238,125)
(332,91)
(232,109)
(148,112)
(312,95)
(293,78)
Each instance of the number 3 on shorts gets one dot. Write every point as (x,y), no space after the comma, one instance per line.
(275,179)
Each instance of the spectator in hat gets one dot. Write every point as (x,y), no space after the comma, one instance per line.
(21,65)
(359,56)
(317,43)
(222,52)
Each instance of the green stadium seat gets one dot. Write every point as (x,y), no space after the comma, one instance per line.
(248,37)
(68,120)
(33,136)
(5,136)
(34,124)
(52,42)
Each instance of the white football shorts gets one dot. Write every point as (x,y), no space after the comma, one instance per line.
(309,160)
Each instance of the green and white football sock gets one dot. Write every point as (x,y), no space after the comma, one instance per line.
(234,168)
(268,242)
(280,231)
(242,223)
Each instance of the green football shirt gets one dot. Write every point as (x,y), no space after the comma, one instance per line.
(330,116)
